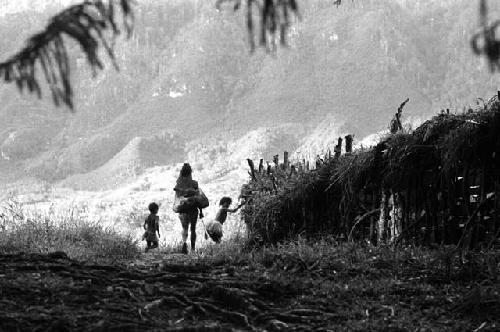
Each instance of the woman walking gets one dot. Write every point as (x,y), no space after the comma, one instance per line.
(187,205)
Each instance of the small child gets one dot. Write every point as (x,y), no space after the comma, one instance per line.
(152,226)
(225,203)
(214,228)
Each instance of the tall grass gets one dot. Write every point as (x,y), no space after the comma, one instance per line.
(69,231)
(329,256)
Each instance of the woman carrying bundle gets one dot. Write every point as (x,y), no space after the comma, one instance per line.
(189,201)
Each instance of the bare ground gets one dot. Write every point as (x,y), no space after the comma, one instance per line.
(181,293)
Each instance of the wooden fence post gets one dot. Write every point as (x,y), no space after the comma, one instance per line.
(396,215)
(383,219)
(261,165)
(285,159)
(373,222)
(496,209)
(276,161)
(252,169)
(348,143)
(275,186)
(338,148)
(319,161)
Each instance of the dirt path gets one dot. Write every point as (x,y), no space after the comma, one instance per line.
(181,293)
(55,293)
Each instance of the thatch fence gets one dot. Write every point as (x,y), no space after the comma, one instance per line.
(439,183)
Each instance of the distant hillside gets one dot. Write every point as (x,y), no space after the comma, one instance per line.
(187,71)
(140,153)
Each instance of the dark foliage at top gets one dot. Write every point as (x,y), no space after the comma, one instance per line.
(274,19)
(90,24)
(486,42)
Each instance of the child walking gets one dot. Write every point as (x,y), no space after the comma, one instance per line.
(152,226)
(214,228)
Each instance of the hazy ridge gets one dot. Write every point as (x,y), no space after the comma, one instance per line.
(187,74)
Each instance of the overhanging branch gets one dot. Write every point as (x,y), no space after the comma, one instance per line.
(275,17)
(90,24)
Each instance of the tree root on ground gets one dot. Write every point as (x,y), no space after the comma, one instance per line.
(61,293)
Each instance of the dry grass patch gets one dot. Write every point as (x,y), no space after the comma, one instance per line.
(71,232)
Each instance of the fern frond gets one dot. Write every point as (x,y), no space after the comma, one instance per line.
(90,24)
(275,17)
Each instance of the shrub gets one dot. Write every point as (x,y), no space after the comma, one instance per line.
(71,232)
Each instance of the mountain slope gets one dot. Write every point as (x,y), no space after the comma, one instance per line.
(187,70)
